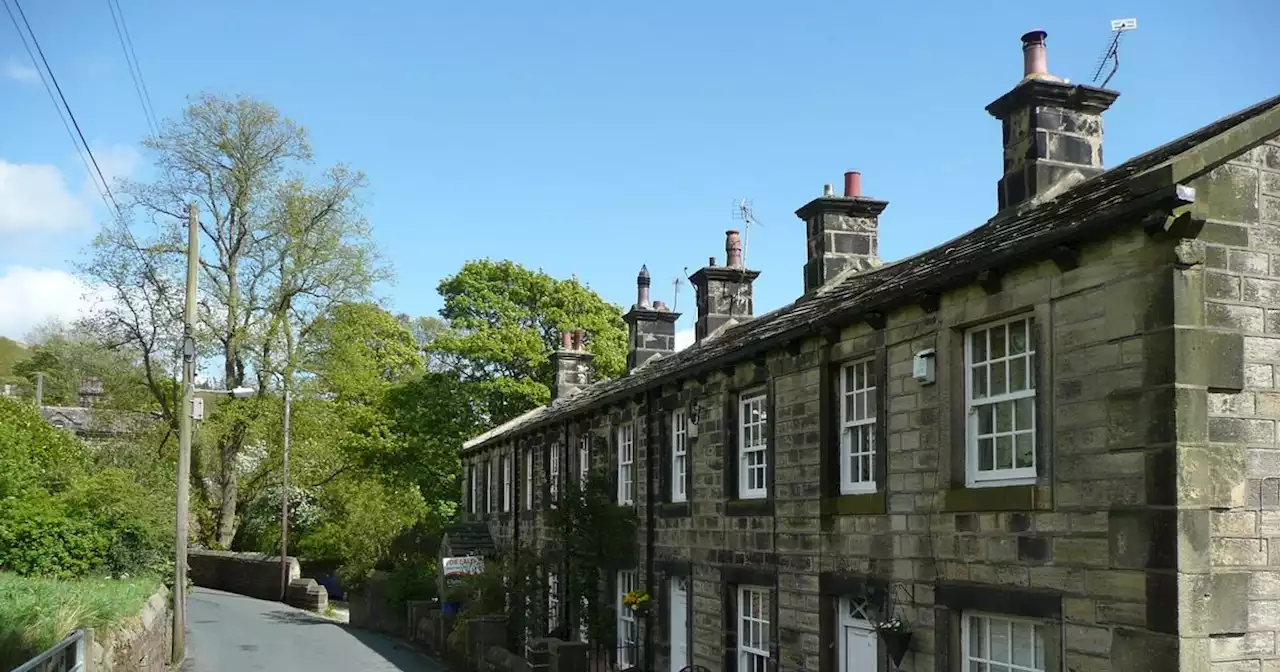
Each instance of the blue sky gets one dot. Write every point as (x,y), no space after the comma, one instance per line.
(589,138)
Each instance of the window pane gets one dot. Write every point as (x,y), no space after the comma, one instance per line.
(1017,338)
(1039,644)
(999,382)
(850,379)
(871,405)
(985,425)
(978,346)
(999,641)
(1018,374)
(979,382)
(1004,416)
(997,342)
(1023,645)
(1004,452)
(977,642)
(1025,449)
(1024,412)
(985,455)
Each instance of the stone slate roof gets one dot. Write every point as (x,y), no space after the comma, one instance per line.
(97,422)
(1132,187)
(468,538)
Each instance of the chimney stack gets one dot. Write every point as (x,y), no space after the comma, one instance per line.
(723,293)
(652,327)
(842,233)
(1052,129)
(570,365)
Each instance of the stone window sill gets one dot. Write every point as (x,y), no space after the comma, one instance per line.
(860,504)
(673,510)
(1006,498)
(748,507)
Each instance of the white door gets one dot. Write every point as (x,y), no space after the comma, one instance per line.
(679,620)
(858,641)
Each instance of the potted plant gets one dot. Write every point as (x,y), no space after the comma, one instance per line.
(896,635)
(637,600)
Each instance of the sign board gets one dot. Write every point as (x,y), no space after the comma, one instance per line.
(453,569)
(467,565)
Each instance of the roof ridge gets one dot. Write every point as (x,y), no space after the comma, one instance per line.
(1102,193)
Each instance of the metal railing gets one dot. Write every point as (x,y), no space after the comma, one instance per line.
(65,656)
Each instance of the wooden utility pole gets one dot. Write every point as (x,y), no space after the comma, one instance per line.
(184,441)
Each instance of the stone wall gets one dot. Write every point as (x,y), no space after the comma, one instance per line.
(371,606)
(139,644)
(1230,527)
(250,574)
(1158,463)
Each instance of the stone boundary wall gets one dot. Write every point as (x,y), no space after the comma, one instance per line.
(251,574)
(140,644)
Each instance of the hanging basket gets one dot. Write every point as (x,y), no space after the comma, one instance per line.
(896,643)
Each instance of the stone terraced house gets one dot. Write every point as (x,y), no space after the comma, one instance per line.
(1048,444)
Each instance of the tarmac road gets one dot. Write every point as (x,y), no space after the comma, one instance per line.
(234,633)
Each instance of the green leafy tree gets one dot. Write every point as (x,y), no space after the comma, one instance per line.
(275,253)
(504,322)
(69,357)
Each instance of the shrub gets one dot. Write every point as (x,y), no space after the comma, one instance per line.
(37,538)
(60,519)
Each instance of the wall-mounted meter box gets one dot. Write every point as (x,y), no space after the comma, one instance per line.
(197,408)
(924,367)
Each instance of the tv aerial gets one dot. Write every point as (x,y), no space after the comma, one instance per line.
(1112,55)
(744,212)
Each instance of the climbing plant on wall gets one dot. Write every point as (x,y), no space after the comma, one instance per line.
(594,536)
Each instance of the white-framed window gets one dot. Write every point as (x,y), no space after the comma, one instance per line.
(626,466)
(490,485)
(753,629)
(584,460)
(858,427)
(555,473)
(1000,396)
(507,485)
(1001,644)
(753,446)
(473,488)
(553,601)
(679,456)
(528,478)
(628,632)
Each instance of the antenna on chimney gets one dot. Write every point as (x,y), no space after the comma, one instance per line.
(742,210)
(675,291)
(1112,55)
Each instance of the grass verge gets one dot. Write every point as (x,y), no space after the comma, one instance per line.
(37,613)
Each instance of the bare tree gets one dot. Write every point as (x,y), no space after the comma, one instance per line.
(273,247)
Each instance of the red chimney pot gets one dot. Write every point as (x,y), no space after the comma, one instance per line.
(566,340)
(852,184)
(1035,59)
(732,249)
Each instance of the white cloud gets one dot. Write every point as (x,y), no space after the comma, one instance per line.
(19,72)
(117,162)
(33,296)
(684,339)
(34,198)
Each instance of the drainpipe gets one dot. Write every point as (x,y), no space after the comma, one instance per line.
(654,447)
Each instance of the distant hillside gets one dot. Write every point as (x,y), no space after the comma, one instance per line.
(11,352)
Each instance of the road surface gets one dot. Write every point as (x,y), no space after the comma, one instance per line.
(233,633)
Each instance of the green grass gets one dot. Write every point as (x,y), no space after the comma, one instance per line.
(37,613)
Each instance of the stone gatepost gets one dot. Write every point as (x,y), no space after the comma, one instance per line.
(568,656)
(537,653)
(485,632)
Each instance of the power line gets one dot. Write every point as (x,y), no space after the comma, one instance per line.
(44,80)
(135,66)
(34,40)
(104,190)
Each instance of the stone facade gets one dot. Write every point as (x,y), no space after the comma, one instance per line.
(1122,514)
